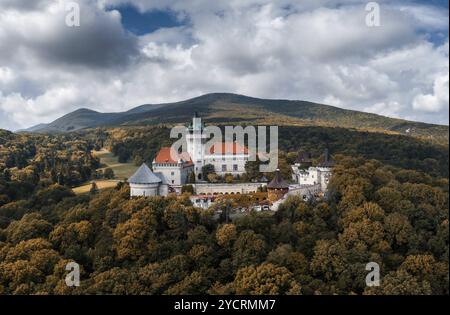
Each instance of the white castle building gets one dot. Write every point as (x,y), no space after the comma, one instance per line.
(306,175)
(226,157)
(173,168)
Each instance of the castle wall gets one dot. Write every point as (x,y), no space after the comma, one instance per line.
(146,190)
(222,188)
(163,190)
(172,174)
(312,176)
(227,164)
(276,194)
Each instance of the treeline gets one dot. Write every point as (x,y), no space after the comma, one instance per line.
(133,144)
(395,217)
(140,144)
(396,150)
(32,161)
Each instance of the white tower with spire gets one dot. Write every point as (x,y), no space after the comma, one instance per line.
(196,142)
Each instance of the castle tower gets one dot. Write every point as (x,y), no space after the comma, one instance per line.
(277,188)
(324,170)
(144,182)
(196,141)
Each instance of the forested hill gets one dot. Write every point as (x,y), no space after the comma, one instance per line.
(231,108)
(387,203)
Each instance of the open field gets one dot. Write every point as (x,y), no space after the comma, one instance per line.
(101,184)
(121,172)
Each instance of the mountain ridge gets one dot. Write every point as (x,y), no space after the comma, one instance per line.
(228,107)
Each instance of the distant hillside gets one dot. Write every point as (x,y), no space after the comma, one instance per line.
(223,108)
(79,119)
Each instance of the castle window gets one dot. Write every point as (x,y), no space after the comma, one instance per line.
(235,167)
(224,168)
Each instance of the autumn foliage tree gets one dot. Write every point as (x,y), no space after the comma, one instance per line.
(387,203)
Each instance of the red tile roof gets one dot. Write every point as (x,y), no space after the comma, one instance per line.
(228,148)
(169,155)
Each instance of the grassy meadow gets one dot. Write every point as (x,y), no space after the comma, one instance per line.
(107,159)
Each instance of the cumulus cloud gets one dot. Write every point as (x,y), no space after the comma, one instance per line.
(25,5)
(437,101)
(6,75)
(100,41)
(319,51)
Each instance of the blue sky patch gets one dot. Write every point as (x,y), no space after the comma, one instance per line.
(143,23)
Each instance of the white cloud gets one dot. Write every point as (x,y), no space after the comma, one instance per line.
(391,109)
(312,50)
(427,16)
(6,75)
(100,41)
(437,101)
(43,107)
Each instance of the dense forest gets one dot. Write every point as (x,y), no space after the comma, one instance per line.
(31,162)
(140,144)
(387,203)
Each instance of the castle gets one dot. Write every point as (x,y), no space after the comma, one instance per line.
(310,181)
(305,174)
(174,169)
(226,157)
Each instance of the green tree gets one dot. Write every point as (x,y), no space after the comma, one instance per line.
(94,189)
(191,178)
(265,279)
(187,189)
(252,169)
(249,249)
(207,170)
(108,173)
(226,235)
(400,283)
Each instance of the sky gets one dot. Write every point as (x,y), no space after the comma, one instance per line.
(126,53)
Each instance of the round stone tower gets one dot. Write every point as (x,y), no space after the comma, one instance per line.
(144,182)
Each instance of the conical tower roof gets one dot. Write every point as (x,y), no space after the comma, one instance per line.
(303,157)
(327,160)
(144,175)
(278,182)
